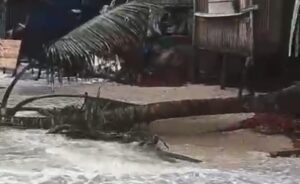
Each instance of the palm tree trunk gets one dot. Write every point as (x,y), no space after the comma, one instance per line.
(122,119)
(9,90)
(286,101)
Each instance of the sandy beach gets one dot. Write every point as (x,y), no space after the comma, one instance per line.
(193,136)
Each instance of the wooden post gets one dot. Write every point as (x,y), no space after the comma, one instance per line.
(297,39)
(223,72)
(249,61)
(244,76)
(195,59)
(195,66)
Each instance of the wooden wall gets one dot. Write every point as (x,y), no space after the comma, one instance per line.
(268,22)
(229,35)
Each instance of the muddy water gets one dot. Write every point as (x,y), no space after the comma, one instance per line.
(33,157)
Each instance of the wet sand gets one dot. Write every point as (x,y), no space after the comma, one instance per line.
(231,150)
(198,137)
(192,136)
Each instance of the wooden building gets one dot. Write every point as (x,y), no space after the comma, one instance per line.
(255,29)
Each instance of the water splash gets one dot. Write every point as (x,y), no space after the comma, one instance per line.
(33,157)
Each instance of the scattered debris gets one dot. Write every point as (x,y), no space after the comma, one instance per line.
(271,123)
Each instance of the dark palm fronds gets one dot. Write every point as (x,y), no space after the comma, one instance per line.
(125,25)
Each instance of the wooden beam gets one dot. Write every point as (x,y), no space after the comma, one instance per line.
(215,15)
(224,72)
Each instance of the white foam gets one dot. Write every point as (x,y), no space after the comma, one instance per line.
(34,157)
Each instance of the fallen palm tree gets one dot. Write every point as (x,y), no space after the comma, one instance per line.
(121,116)
(101,120)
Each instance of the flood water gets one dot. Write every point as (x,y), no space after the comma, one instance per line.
(31,156)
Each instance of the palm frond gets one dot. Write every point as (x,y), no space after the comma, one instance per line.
(124,25)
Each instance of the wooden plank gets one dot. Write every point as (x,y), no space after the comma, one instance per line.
(9,51)
(220,7)
(224,72)
(8,63)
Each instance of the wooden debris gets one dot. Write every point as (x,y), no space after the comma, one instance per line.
(286,153)
(166,154)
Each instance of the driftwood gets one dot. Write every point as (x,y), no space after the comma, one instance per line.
(169,155)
